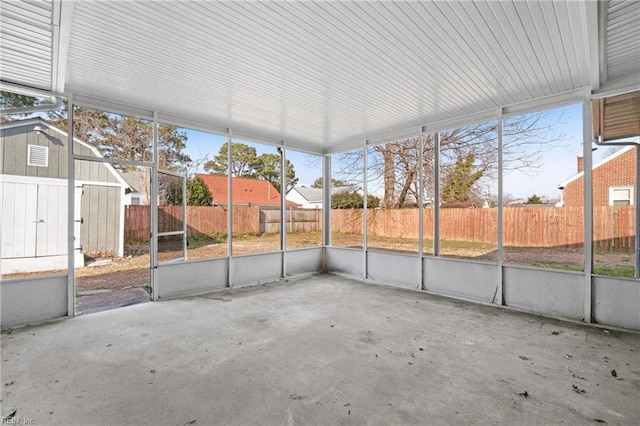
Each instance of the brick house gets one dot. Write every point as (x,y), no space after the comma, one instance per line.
(614,181)
(246,191)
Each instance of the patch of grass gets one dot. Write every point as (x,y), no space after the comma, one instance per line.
(466,245)
(615,271)
(565,266)
(248,236)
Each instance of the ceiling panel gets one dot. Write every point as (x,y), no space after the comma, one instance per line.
(26,43)
(623,39)
(320,75)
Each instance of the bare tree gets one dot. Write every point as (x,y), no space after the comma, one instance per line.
(396,164)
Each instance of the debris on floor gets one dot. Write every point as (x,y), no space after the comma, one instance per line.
(11,415)
(577,390)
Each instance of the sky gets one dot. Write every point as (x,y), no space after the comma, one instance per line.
(558,164)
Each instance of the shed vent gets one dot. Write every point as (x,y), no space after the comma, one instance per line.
(38,156)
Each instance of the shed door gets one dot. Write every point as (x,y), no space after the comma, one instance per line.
(19,219)
(34,220)
(51,220)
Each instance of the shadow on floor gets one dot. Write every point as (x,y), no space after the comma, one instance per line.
(88,302)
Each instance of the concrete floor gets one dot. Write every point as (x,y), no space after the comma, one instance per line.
(322,350)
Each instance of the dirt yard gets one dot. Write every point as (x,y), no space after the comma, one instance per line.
(133,270)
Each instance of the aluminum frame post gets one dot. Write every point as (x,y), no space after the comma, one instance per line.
(326,201)
(587,206)
(283,209)
(71,208)
(184,217)
(229,210)
(154,212)
(421,209)
(365,210)
(499,298)
(436,194)
(326,208)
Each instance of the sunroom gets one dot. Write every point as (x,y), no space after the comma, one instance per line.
(439,134)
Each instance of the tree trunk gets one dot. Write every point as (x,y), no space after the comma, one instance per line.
(405,188)
(389,200)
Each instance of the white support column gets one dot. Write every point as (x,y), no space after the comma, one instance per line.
(499,299)
(326,200)
(326,208)
(283,208)
(71,225)
(421,208)
(229,209)
(184,217)
(154,211)
(436,194)
(587,205)
(364,209)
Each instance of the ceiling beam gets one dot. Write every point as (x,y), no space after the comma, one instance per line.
(62,19)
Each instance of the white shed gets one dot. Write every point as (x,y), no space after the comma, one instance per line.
(33,197)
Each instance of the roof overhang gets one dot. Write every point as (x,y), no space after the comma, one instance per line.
(616,117)
(314,75)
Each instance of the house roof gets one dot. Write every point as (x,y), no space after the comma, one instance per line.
(312,195)
(245,191)
(598,164)
(345,189)
(324,76)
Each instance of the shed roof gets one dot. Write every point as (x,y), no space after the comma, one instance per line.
(323,76)
(31,123)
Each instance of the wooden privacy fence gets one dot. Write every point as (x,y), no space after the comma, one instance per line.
(296,220)
(213,220)
(200,220)
(613,227)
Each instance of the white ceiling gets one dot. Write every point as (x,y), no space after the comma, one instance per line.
(322,76)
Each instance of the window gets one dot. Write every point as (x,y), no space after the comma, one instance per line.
(37,156)
(621,196)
